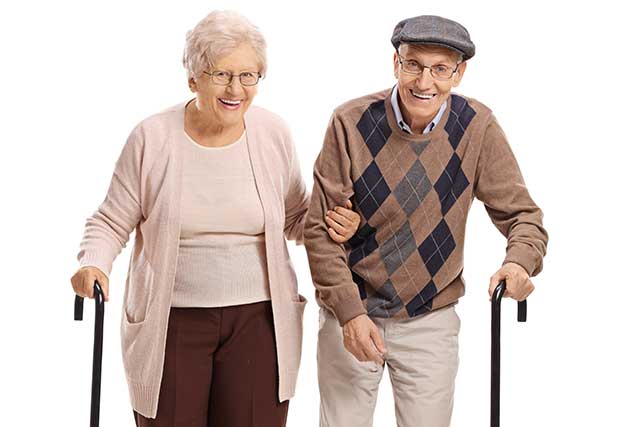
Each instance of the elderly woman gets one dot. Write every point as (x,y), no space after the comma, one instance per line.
(212,318)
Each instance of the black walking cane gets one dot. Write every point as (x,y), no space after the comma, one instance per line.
(97,349)
(495,347)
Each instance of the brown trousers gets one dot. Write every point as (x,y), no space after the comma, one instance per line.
(220,370)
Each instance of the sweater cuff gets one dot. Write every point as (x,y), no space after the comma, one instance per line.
(347,309)
(526,257)
(93,260)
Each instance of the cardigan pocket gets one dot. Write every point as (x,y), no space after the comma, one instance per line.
(135,341)
(140,282)
(295,330)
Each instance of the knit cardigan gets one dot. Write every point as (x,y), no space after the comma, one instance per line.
(145,194)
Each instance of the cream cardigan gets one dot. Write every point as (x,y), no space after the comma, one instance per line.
(144,195)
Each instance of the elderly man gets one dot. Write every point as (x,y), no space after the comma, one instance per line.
(411,158)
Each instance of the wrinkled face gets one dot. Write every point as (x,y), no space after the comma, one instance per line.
(226,104)
(421,95)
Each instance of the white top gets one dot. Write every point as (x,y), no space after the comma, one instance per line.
(221,258)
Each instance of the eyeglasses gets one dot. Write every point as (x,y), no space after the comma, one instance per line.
(224,78)
(438,71)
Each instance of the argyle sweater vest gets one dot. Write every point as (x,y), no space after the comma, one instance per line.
(413,193)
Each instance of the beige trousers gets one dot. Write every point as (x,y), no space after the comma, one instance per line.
(422,357)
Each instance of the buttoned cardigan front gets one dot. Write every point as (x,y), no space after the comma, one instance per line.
(145,193)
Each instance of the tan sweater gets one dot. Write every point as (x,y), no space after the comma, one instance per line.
(144,195)
(222,258)
(413,193)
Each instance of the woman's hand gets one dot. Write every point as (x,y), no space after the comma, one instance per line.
(82,282)
(343,223)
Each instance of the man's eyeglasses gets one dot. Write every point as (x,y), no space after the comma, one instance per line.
(224,78)
(438,71)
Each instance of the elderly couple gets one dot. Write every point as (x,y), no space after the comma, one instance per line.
(212,318)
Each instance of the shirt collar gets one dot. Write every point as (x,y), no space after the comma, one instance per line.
(401,123)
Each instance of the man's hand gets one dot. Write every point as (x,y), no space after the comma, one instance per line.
(363,340)
(519,287)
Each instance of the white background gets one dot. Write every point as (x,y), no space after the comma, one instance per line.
(562,80)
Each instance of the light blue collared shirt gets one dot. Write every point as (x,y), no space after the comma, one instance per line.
(401,123)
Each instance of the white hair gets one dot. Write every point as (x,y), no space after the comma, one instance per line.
(216,36)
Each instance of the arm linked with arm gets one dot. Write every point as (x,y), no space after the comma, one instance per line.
(500,186)
(327,259)
(296,201)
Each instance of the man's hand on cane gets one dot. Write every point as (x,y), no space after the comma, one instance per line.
(519,286)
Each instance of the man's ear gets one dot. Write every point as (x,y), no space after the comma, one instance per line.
(459,73)
(396,65)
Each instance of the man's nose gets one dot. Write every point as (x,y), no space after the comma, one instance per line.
(425,80)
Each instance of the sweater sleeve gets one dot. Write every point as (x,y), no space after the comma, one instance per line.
(500,186)
(107,231)
(332,186)
(296,201)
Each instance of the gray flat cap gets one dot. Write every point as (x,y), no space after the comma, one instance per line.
(429,29)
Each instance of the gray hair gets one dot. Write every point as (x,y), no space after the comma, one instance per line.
(216,36)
